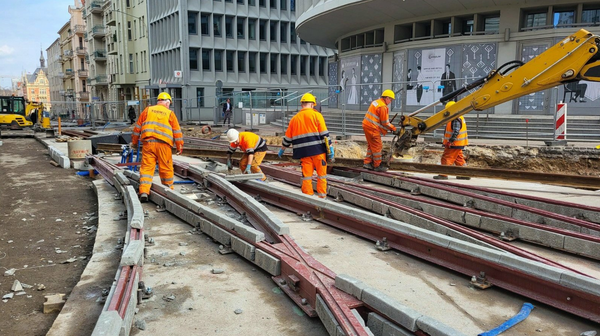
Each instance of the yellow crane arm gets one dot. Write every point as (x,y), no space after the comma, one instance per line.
(572,59)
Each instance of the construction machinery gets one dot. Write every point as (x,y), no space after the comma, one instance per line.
(573,59)
(13,112)
(37,114)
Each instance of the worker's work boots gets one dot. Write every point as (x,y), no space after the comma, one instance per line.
(144,198)
(440,177)
(368,166)
(381,168)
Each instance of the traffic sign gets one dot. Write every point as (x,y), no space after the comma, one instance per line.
(178,74)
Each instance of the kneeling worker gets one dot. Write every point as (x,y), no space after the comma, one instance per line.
(254,148)
(455,140)
(157,127)
(309,138)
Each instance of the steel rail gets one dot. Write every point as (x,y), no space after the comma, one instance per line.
(589,182)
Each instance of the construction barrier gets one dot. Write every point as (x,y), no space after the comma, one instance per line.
(560,124)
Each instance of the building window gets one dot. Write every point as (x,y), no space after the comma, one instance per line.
(283,32)
(230,60)
(274,63)
(252,62)
(204,24)
(251,2)
(273,4)
(218,60)
(229,26)
(262,30)
(205,59)
(293,5)
(322,62)
(252,29)
(130,63)
(193,59)
(200,96)
(263,62)
(262,3)
(284,64)
(127,3)
(563,18)
(241,22)
(241,2)
(590,15)
(535,19)
(293,64)
(293,33)
(129,34)
(32,91)
(273,31)
(193,23)
(241,61)
(491,23)
(312,65)
(283,4)
(217,25)
(303,65)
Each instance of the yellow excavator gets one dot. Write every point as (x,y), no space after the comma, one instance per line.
(573,59)
(17,113)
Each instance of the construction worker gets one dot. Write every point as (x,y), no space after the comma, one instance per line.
(375,124)
(455,140)
(158,129)
(309,137)
(254,148)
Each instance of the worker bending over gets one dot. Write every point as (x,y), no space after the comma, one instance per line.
(158,128)
(309,137)
(455,140)
(375,124)
(254,148)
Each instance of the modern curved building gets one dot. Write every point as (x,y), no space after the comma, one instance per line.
(427,48)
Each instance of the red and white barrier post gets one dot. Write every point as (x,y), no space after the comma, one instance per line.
(560,122)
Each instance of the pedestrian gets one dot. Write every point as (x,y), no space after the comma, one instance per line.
(309,138)
(131,114)
(375,124)
(254,148)
(227,113)
(455,140)
(158,129)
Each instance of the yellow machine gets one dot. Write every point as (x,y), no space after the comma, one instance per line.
(36,114)
(13,112)
(572,59)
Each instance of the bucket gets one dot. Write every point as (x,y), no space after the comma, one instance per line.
(78,149)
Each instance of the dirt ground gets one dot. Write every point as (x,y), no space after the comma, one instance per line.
(44,212)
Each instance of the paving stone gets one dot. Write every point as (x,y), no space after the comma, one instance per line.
(350,285)
(243,248)
(436,328)
(54,303)
(379,326)
(391,308)
(268,263)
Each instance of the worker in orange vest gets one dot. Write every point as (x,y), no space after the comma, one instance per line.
(455,140)
(375,124)
(254,148)
(309,138)
(158,129)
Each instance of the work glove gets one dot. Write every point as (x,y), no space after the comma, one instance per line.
(229,165)
(396,132)
(247,171)
(280,154)
(132,146)
(331,153)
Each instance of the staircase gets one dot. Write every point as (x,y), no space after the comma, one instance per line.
(484,126)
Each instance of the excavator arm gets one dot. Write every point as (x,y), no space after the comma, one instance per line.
(572,59)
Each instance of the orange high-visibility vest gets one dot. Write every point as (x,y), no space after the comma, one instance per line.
(306,132)
(462,139)
(249,143)
(377,117)
(158,123)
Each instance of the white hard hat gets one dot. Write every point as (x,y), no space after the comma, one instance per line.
(233,135)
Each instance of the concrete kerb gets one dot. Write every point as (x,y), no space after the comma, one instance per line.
(59,157)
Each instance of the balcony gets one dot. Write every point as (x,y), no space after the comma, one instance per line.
(79,29)
(62,59)
(84,13)
(70,93)
(96,6)
(81,51)
(87,59)
(61,75)
(84,95)
(112,48)
(110,18)
(68,54)
(69,73)
(98,31)
(100,55)
(82,73)
(101,80)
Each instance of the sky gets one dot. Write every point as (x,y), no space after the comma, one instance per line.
(28,26)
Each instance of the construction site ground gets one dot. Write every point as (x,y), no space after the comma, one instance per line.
(197,290)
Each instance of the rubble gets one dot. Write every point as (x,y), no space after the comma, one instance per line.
(16,287)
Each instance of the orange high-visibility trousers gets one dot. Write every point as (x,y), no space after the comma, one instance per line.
(374,147)
(309,164)
(453,157)
(255,165)
(152,152)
